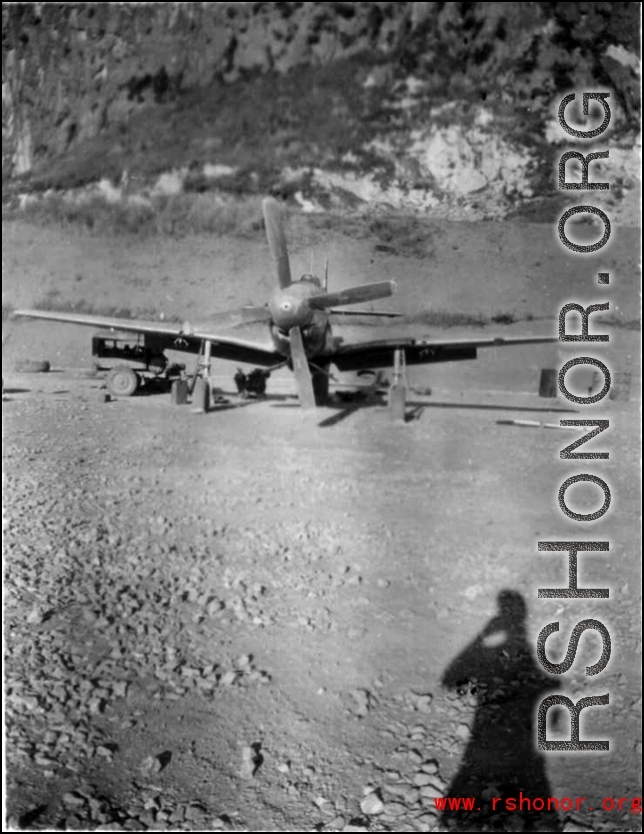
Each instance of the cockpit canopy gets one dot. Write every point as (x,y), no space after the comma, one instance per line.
(311,279)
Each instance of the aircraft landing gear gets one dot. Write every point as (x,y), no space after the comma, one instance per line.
(398,388)
(122,381)
(201,381)
(201,395)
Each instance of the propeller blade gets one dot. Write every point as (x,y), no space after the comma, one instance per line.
(303,380)
(353,295)
(374,313)
(277,240)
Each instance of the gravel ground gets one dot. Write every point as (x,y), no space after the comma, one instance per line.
(208,635)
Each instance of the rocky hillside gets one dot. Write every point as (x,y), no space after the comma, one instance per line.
(439,107)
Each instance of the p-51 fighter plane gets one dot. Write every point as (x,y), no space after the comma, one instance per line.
(301,338)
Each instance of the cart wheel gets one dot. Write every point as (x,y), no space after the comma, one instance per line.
(201,395)
(122,381)
(397,401)
(179,392)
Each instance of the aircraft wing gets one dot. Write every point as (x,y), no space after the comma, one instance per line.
(380,353)
(171,336)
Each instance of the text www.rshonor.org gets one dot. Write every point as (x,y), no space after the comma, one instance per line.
(537,803)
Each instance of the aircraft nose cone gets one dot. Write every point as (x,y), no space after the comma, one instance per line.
(290,308)
(285,313)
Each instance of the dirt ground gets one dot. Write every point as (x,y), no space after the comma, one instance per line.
(257,619)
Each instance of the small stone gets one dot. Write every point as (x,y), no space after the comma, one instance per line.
(430,792)
(363,702)
(195,811)
(326,807)
(394,809)
(229,678)
(96,706)
(178,815)
(150,766)
(284,767)
(45,761)
(422,779)
(119,688)
(73,799)
(36,616)
(412,796)
(134,825)
(396,788)
(426,822)
(248,767)
(430,766)
(372,805)
(424,702)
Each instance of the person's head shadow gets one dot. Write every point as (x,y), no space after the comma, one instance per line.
(501,768)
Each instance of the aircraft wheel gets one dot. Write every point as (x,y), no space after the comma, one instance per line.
(179,392)
(201,395)
(397,401)
(320,387)
(122,382)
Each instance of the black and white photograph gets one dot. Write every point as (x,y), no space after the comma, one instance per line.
(321,408)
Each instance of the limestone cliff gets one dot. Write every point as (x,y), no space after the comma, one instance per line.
(73,72)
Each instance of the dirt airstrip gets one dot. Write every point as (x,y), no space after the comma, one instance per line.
(257,619)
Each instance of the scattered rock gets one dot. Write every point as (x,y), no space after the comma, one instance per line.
(430,767)
(251,761)
(74,799)
(394,809)
(372,805)
(150,766)
(363,702)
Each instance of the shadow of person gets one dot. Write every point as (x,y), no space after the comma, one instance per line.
(501,768)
